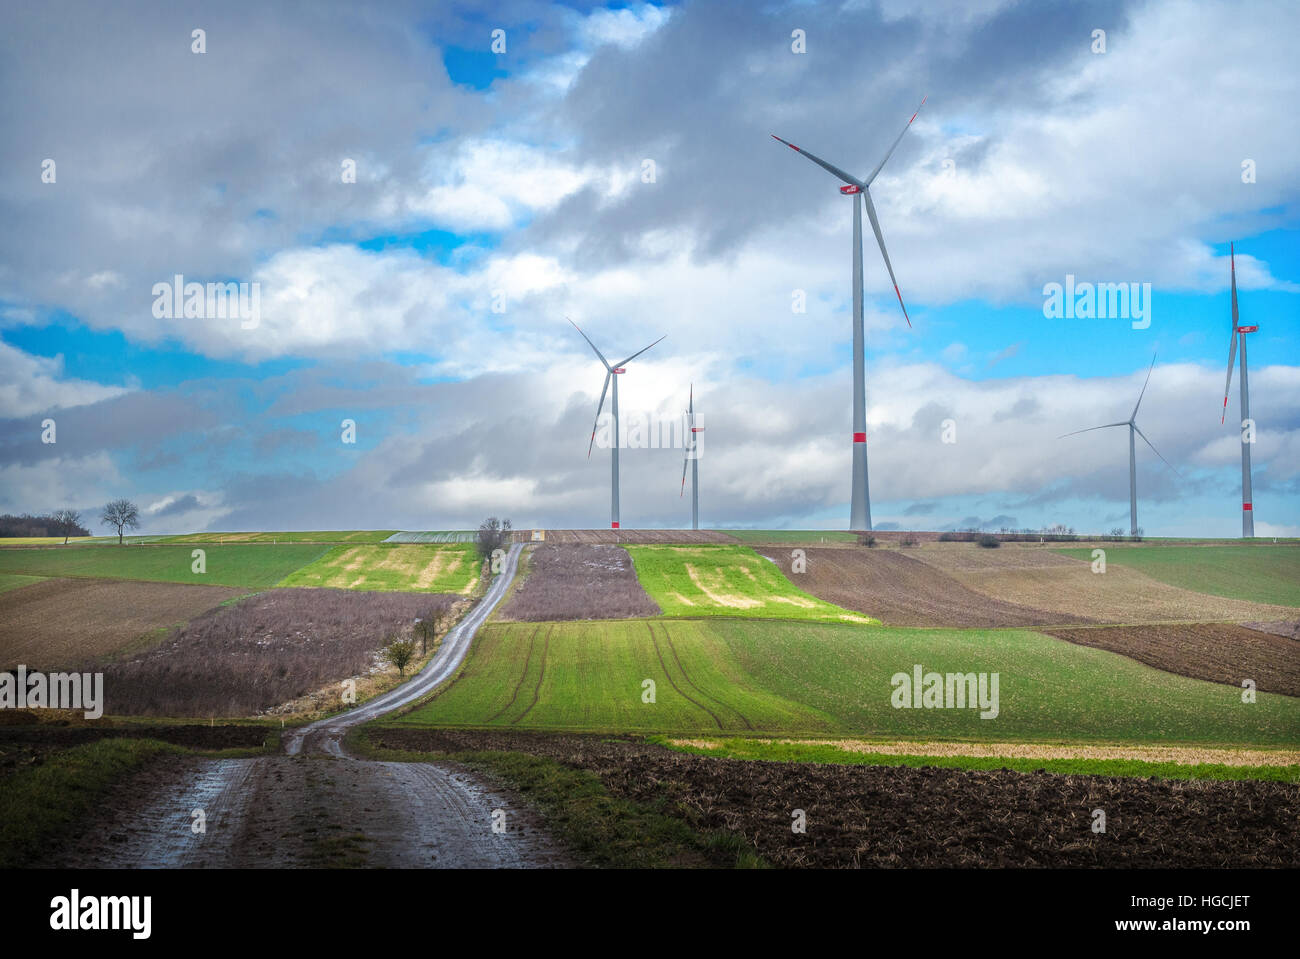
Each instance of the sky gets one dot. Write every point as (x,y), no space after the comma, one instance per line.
(417,195)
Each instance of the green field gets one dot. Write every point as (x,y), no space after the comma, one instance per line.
(451,568)
(790,678)
(1259,573)
(293,536)
(10,581)
(808,537)
(242,565)
(727,581)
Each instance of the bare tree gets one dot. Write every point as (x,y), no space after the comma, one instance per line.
(123,514)
(428,626)
(492,535)
(70,522)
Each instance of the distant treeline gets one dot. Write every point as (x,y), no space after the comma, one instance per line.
(1048,534)
(48,525)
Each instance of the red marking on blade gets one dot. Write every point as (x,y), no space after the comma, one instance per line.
(613,526)
(859,437)
(900,303)
(1225,410)
(1245,506)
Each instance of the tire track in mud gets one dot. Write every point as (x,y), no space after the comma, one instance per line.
(673,682)
(668,638)
(532,638)
(537,692)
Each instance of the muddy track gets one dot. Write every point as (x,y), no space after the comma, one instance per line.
(316,805)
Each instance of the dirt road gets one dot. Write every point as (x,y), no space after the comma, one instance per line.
(318,806)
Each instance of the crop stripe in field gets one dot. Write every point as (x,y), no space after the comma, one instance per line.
(541,674)
(668,638)
(522,676)
(673,682)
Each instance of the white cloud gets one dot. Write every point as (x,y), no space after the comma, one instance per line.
(35,384)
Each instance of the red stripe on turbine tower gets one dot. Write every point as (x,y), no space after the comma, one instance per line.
(859,437)
(613,526)
(1245,506)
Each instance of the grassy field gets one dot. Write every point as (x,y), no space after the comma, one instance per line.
(804,678)
(10,581)
(241,565)
(727,581)
(440,569)
(297,536)
(792,536)
(1258,573)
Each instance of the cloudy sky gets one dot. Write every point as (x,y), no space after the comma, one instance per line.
(613,164)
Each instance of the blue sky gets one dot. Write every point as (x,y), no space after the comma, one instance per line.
(497,193)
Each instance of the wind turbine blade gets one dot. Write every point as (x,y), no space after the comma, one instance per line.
(828,167)
(599,407)
(876,171)
(1227,384)
(639,352)
(875,225)
(1156,451)
(1235,319)
(589,343)
(685,462)
(1091,428)
(1144,388)
(691,407)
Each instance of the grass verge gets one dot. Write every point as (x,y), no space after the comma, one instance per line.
(41,802)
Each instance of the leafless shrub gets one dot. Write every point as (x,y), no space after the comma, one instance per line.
(579,582)
(262,651)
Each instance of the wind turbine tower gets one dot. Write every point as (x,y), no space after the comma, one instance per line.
(860,510)
(1247,426)
(611,373)
(1133,432)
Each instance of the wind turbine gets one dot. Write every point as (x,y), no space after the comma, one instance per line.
(610,373)
(692,457)
(1131,423)
(1239,332)
(860,511)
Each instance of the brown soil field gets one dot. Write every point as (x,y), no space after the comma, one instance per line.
(60,623)
(638,537)
(1034,576)
(265,650)
(1219,652)
(578,582)
(902,591)
(899,816)
(1291,630)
